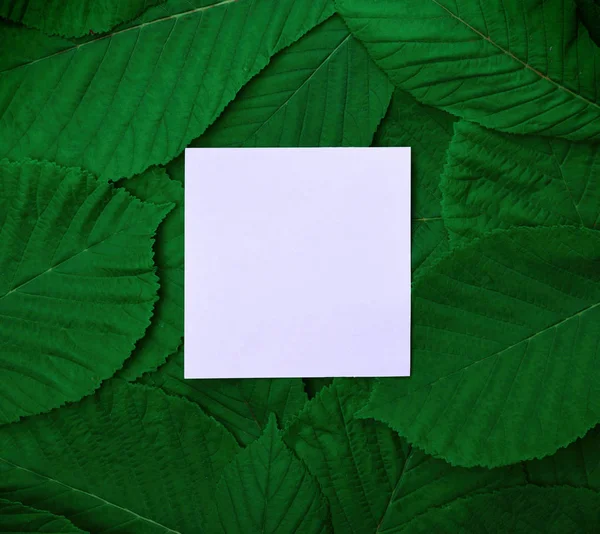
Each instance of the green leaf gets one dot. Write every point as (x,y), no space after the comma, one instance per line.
(119,103)
(313,385)
(575,465)
(128,459)
(77,283)
(558,510)
(267,490)
(73,18)
(26,45)
(504,342)
(519,66)
(494,180)
(243,406)
(589,13)
(373,479)
(324,90)
(16,518)
(165,332)
(428,132)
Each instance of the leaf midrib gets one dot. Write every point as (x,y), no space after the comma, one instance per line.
(512,56)
(127,510)
(124,30)
(525,340)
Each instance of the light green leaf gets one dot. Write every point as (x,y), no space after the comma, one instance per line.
(16,518)
(77,283)
(266,489)
(165,332)
(495,180)
(505,335)
(557,510)
(73,18)
(324,90)
(575,465)
(428,132)
(119,103)
(128,459)
(241,405)
(520,66)
(373,479)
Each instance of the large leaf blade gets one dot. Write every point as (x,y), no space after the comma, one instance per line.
(373,479)
(504,341)
(15,517)
(128,459)
(515,66)
(77,283)
(119,103)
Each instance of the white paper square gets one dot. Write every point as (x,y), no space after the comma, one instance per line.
(297,262)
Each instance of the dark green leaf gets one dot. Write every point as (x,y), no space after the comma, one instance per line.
(119,103)
(494,180)
(16,518)
(77,283)
(324,90)
(520,66)
(558,510)
(129,459)
(373,479)
(575,465)
(505,335)
(73,18)
(165,332)
(266,489)
(428,132)
(241,405)
(589,12)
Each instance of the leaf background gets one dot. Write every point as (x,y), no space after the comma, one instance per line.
(497,428)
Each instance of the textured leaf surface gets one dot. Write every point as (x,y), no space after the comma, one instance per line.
(16,518)
(428,132)
(518,65)
(575,465)
(266,489)
(241,405)
(494,180)
(119,103)
(518,511)
(165,332)
(77,283)
(373,479)
(505,337)
(324,90)
(72,18)
(128,459)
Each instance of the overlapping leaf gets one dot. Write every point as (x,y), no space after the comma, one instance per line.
(518,511)
(121,102)
(14,517)
(374,480)
(576,465)
(266,489)
(128,459)
(241,405)
(494,180)
(73,18)
(165,333)
(428,132)
(77,283)
(517,65)
(505,336)
(324,90)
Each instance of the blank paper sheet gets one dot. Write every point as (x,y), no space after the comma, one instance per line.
(297,262)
